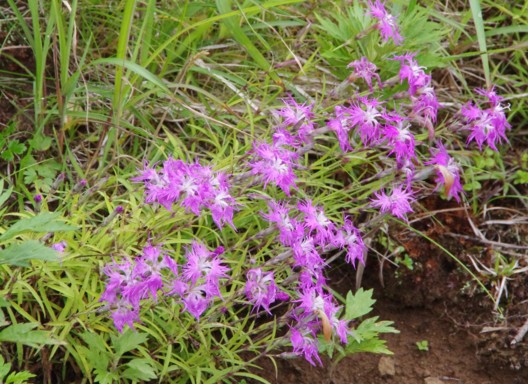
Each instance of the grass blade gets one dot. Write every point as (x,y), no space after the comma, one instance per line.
(481,37)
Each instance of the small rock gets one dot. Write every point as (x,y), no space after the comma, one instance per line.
(433,380)
(386,366)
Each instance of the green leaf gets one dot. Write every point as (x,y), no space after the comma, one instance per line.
(5,195)
(481,37)
(128,341)
(19,377)
(20,254)
(96,353)
(139,369)
(16,147)
(44,222)
(359,304)
(40,142)
(25,334)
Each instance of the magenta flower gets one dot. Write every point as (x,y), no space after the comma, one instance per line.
(341,125)
(125,315)
(197,187)
(397,203)
(307,257)
(274,164)
(290,230)
(412,72)
(298,116)
(306,345)
(59,247)
(399,138)
(261,289)
(365,115)
(203,264)
(386,22)
(447,171)
(316,222)
(425,103)
(350,238)
(486,125)
(365,70)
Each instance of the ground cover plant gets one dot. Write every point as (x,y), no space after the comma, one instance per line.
(179,180)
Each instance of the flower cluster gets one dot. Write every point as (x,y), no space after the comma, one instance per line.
(195,186)
(386,22)
(275,162)
(308,232)
(422,94)
(487,125)
(131,282)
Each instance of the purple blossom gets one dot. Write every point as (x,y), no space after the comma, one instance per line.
(350,238)
(386,22)
(274,164)
(298,116)
(196,300)
(399,137)
(60,246)
(365,70)
(195,186)
(365,115)
(125,315)
(447,172)
(412,72)
(397,203)
(316,222)
(307,257)
(341,125)
(486,125)
(290,230)
(202,263)
(306,345)
(261,289)
(425,103)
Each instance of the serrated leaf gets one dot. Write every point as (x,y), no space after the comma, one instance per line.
(128,341)
(105,377)
(25,334)
(16,147)
(20,254)
(96,353)
(19,377)
(41,143)
(44,222)
(139,369)
(359,304)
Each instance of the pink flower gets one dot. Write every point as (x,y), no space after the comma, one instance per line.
(447,172)
(486,125)
(365,70)
(316,222)
(289,229)
(412,72)
(397,203)
(386,22)
(261,289)
(399,137)
(274,164)
(350,238)
(298,116)
(341,125)
(365,115)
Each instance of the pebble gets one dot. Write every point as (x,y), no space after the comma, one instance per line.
(386,366)
(433,380)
